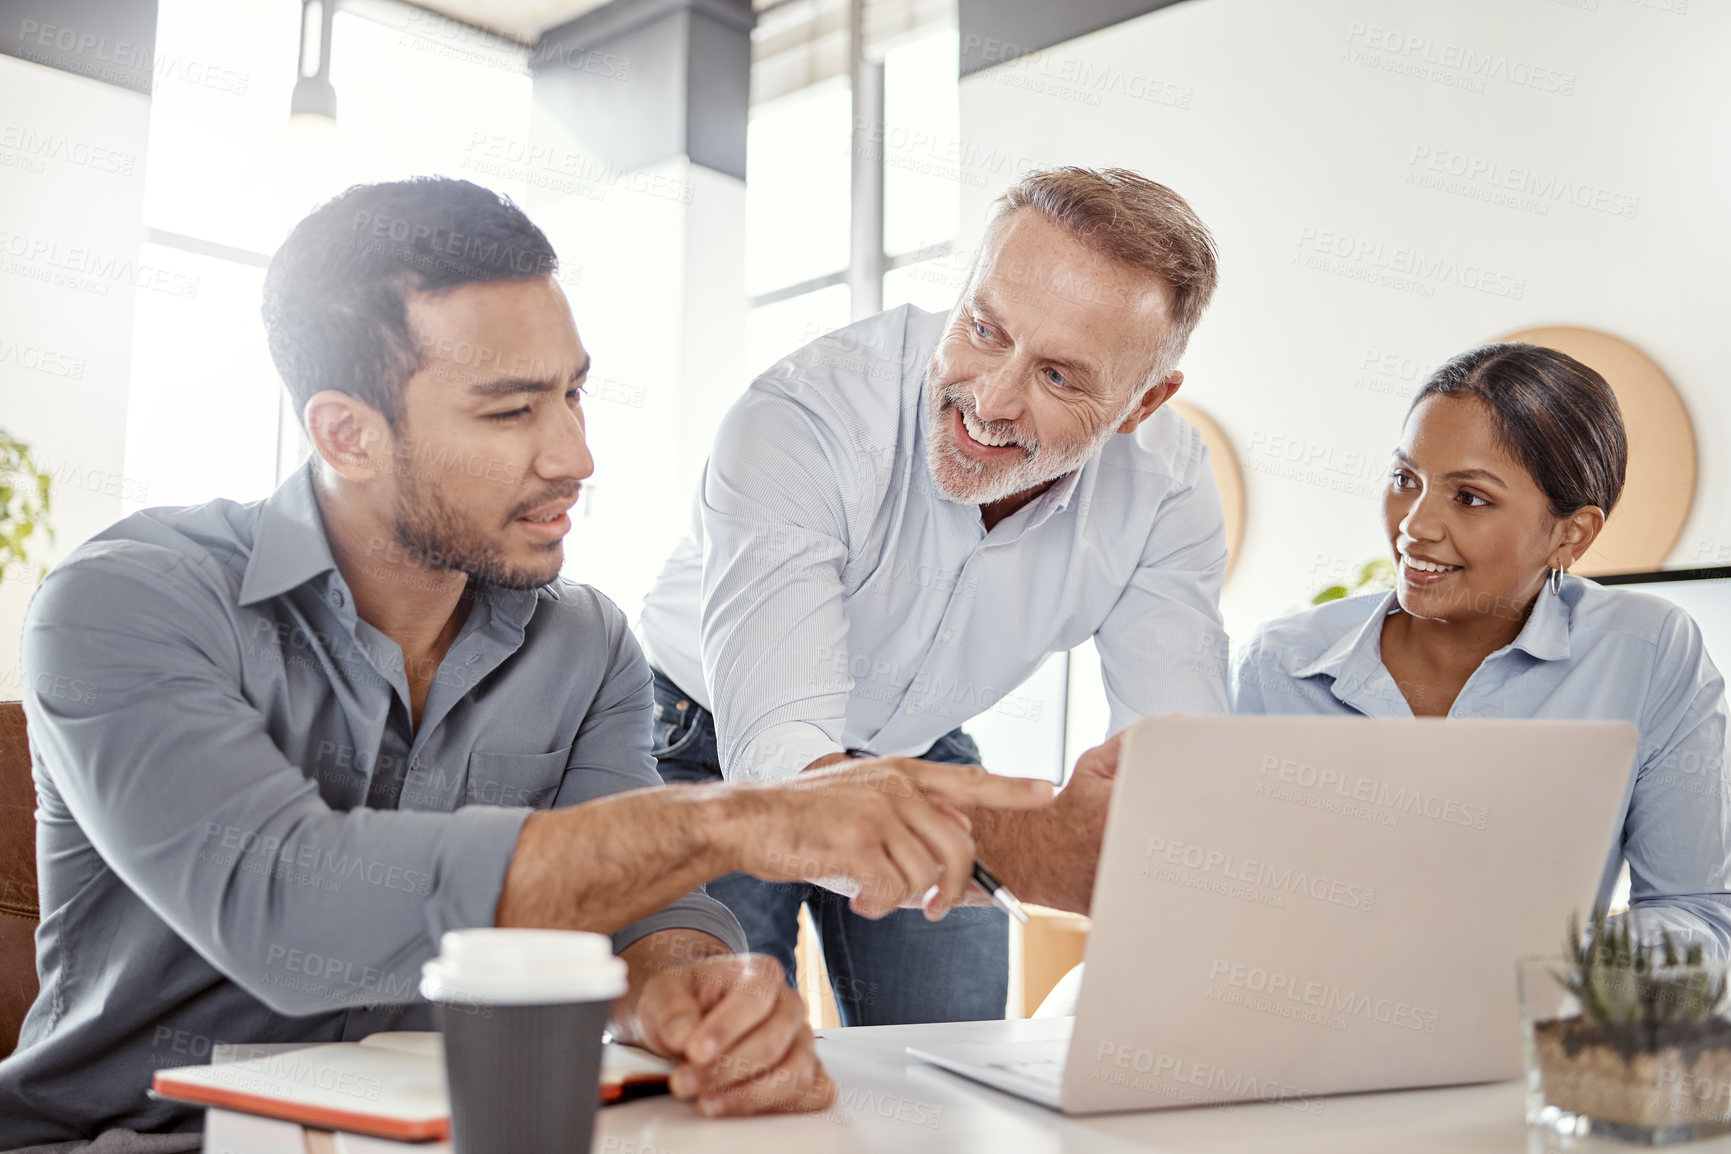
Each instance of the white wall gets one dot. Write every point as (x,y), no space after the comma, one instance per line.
(1301,132)
(72,155)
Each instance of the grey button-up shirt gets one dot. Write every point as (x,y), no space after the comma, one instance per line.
(241,835)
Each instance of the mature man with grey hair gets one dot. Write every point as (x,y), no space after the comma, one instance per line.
(898,523)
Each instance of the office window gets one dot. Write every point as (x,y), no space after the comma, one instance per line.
(932,284)
(774,330)
(224,76)
(430,96)
(924,161)
(203,409)
(414,95)
(925,166)
(797,171)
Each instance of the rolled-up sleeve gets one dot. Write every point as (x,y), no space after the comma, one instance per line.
(1163,648)
(1677,836)
(611,755)
(133,695)
(774,631)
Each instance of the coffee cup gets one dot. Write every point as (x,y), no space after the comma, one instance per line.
(522,1013)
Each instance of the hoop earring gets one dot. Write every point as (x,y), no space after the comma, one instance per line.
(1555,582)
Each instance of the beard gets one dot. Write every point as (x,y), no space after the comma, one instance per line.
(961,478)
(441,537)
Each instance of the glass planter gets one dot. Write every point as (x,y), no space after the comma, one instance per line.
(1654,1084)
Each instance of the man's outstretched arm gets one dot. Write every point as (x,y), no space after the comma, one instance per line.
(737,1028)
(122,636)
(1048,856)
(885,823)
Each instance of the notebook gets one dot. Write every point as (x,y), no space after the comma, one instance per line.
(390,1085)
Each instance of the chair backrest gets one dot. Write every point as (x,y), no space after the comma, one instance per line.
(18,904)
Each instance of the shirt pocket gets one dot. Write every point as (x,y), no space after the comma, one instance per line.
(521,780)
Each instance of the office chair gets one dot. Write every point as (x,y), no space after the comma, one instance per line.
(18,904)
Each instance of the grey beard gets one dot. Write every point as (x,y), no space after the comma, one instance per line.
(944,461)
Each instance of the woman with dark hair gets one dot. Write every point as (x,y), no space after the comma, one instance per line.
(1511,459)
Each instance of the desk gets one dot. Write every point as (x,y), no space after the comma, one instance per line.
(890,1103)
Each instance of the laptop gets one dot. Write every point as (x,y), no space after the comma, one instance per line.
(1289,907)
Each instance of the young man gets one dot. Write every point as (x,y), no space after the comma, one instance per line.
(309,735)
(899,522)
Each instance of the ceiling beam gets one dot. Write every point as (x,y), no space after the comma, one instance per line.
(996,31)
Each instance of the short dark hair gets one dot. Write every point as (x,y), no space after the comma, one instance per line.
(334,309)
(1557,416)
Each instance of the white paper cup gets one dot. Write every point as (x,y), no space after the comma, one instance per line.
(522,1013)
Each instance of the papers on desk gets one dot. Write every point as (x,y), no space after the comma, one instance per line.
(226,1132)
(361,1144)
(386,1086)
(229,1132)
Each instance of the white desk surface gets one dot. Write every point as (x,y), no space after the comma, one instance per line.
(891,1102)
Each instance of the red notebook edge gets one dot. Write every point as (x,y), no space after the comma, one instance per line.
(165,1085)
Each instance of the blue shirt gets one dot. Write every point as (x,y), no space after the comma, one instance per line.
(827,596)
(1588,654)
(241,837)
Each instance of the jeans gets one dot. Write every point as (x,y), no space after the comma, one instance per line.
(897,970)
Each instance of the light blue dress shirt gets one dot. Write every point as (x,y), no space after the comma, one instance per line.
(1589,653)
(828,597)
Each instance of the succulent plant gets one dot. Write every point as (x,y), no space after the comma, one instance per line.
(1639,989)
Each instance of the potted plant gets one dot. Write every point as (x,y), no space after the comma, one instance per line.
(1375,576)
(24,505)
(1628,1038)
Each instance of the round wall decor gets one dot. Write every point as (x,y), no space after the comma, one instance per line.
(1660,487)
(1228,477)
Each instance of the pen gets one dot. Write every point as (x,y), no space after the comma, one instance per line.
(1001,895)
(995,889)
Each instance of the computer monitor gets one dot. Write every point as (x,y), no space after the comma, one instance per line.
(1704,593)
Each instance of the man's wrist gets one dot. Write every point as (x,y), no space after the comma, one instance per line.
(1012,843)
(663,952)
(726,823)
(670,950)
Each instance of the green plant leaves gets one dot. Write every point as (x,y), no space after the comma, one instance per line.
(1374,576)
(25,502)
(1636,989)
